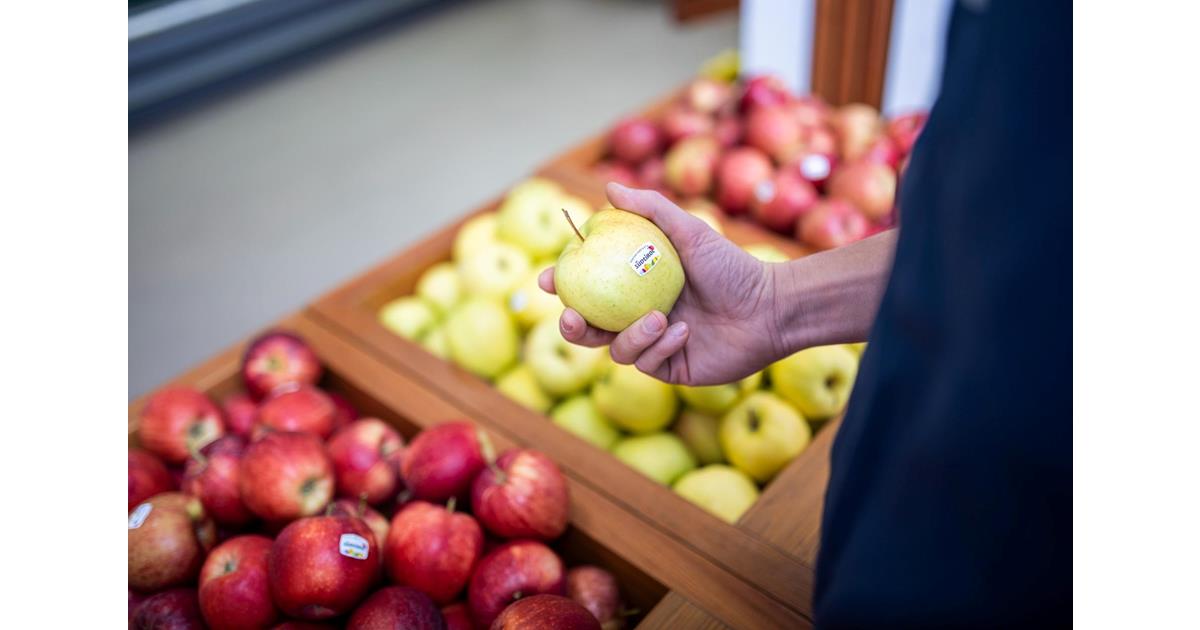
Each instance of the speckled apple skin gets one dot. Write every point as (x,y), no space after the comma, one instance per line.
(397,607)
(545,611)
(309,576)
(523,567)
(433,550)
(234,589)
(274,471)
(524,496)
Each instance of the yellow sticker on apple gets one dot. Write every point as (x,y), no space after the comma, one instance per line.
(645,258)
(354,546)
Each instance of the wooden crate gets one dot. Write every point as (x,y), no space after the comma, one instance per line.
(774,544)
(647,560)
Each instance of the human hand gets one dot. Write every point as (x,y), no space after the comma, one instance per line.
(722,327)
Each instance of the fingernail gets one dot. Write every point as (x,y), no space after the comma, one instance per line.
(567,326)
(677,330)
(652,324)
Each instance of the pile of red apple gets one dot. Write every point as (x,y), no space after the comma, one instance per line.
(268,510)
(794,164)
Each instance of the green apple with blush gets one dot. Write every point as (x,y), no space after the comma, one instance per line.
(660,456)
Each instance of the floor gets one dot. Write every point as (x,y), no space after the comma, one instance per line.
(247,208)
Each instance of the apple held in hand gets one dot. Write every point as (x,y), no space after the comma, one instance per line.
(303,409)
(869,186)
(366,458)
(698,430)
(321,566)
(739,172)
(832,223)
(482,337)
(212,476)
(723,491)
(441,462)
(510,572)
(178,420)
(148,476)
(433,549)
(660,456)
(234,591)
(168,537)
(816,380)
(579,416)
(285,476)
(691,165)
(545,611)
(522,494)
(410,317)
(634,401)
(596,590)
(560,367)
(397,607)
(278,358)
(633,140)
(762,434)
(176,609)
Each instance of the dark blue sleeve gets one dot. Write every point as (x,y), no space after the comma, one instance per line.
(949,502)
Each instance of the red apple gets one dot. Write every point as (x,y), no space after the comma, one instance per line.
(738,173)
(458,617)
(359,509)
(442,461)
(212,476)
(680,122)
(321,566)
(856,125)
(652,174)
(774,131)
(706,95)
(293,624)
(148,476)
(397,607)
(176,609)
(297,408)
(511,571)
(635,139)
(366,458)
(178,420)
(809,111)
(241,412)
(814,167)
(135,600)
(780,201)
(728,131)
(870,187)
(168,537)
(285,476)
(596,590)
(346,413)
(432,549)
(522,495)
(818,140)
(882,150)
(905,130)
(545,611)
(690,165)
(831,223)
(615,172)
(764,91)
(234,592)
(278,358)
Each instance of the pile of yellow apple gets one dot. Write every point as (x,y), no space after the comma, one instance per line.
(714,445)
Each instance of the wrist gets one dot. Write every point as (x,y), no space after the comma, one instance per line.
(785,327)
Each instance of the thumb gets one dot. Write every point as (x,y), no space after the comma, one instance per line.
(651,204)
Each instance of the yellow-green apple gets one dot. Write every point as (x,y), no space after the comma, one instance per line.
(234,588)
(520,385)
(358,508)
(494,270)
(739,174)
(868,186)
(619,268)
(178,420)
(481,337)
(408,316)
(766,252)
(560,367)
(723,491)
(691,163)
(169,534)
(579,416)
(774,131)
(545,611)
(396,607)
(174,608)
(513,570)
(761,434)
(241,412)
(856,126)
(321,566)
(635,139)
(435,343)
(717,399)
(304,409)
(529,217)
(433,549)
(474,235)
(698,430)
(522,494)
(211,475)
(660,456)
(440,287)
(148,476)
(634,401)
(816,380)
(832,223)
(529,304)
(596,590)
(680,123)
(366,458)
(442,461)
(780,201)
(278,358)
(286,475)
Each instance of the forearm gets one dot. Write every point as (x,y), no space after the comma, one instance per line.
(831,297)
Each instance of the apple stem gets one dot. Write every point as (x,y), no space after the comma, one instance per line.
(197,455)
(329,510)
(451,503)
(501,476)
(517,595)
(404,496)
(628,612)
(362,504)
(568,215)
(754,422)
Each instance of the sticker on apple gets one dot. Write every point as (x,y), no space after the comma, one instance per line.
(139,515)
(645,258)
(354,546)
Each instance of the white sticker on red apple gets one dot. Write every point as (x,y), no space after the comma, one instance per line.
(354,546)
(645,258)
(139,515)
